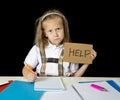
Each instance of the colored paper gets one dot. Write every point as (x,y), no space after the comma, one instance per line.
(3,86)
(20,90)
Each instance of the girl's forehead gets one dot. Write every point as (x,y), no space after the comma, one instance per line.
(52,23)
(53,20)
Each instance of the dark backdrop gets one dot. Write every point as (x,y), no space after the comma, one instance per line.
(89,22)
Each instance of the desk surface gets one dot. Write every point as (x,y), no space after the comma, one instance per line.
(66,80)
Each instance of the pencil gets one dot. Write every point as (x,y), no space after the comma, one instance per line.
(30,68)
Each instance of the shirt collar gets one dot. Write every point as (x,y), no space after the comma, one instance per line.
(54,46)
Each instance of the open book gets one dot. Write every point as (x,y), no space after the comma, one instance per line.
(49,84)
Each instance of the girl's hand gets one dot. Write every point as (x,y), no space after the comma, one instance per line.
(29,74)
(93,54)
(31,77)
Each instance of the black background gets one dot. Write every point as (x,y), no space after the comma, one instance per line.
(94,23)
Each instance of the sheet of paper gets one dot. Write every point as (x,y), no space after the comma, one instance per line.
(89,93)
(3,82)
(68,94)
(49,84)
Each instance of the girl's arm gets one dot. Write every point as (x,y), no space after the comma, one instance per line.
(84,67)
(81,70)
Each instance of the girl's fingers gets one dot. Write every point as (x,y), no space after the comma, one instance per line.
(93,54)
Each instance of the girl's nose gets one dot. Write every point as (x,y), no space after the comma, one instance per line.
(55,33)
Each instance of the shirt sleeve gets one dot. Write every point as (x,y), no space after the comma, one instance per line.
(31,57)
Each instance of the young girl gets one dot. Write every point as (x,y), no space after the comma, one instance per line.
(46,55)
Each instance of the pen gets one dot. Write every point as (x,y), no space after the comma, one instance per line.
(30,69)
(98,87)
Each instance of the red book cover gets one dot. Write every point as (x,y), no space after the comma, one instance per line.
(2,87)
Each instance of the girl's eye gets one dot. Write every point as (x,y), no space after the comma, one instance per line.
(58,29)
(50,31)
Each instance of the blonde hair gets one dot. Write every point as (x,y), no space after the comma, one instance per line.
(40,38)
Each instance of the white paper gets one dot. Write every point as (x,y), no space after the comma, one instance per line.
(68,94)
(3,82)
(89,93)
(49,84)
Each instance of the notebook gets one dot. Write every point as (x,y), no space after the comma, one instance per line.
(5,85)
(86,92)
(20,90)
(49,84)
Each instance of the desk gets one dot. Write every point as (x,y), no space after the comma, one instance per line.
(66,80)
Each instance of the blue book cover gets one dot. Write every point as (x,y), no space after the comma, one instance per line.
(114,84)
(20,90)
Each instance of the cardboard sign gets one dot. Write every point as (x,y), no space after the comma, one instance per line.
(77,53)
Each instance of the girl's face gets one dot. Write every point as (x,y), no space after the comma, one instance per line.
(54,31)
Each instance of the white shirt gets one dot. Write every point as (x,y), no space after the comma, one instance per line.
(34,60)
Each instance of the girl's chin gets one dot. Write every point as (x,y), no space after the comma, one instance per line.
(58,43)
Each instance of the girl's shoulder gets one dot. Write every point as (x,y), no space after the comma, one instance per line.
(35,47)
